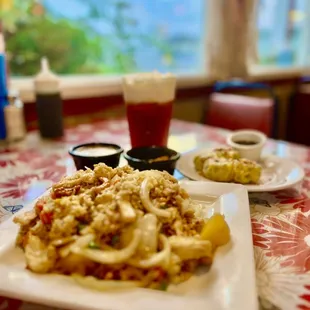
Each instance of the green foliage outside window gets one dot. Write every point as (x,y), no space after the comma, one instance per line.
(72,47)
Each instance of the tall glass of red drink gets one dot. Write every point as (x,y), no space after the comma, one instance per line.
(149,101)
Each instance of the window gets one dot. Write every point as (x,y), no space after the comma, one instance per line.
(283,32)
(106,38)
(109,37)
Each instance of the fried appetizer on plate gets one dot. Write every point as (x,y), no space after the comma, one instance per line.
(225,165)
(215,154)
(218,169)
(226,153)
(246,171)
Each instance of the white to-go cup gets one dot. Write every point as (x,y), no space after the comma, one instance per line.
(249,143)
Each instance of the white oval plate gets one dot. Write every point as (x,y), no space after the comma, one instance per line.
(278,173)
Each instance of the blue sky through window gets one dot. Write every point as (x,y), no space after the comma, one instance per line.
(175,30)
(281,32)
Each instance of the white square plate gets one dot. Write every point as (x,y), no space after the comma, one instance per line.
(229,284)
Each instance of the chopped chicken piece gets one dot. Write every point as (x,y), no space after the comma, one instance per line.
(25,218)
(39,257)
(190,248)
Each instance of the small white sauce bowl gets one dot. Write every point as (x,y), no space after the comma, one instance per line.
(251,151)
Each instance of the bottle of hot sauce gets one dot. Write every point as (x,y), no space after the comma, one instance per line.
(48,102)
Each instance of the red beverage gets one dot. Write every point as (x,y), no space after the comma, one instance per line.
(149,123)
(149,101)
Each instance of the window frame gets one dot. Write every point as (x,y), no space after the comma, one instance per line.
(88,86)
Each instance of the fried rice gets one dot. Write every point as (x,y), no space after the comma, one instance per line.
(115,224)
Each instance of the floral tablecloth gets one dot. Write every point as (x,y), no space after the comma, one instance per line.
(280,220)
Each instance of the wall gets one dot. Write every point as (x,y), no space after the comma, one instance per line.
(284,93)
(299,116)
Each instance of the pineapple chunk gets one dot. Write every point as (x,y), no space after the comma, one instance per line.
(216,230)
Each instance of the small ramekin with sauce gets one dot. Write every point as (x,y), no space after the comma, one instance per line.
(152,158)
(89,154)
(249,143)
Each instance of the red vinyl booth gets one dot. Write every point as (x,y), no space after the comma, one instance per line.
(240,112)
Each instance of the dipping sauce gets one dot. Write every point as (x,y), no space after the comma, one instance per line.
(161,158)
(246,142)
(95,151)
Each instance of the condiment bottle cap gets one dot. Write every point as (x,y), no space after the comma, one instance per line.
(46,82)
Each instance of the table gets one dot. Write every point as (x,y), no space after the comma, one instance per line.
(280,220)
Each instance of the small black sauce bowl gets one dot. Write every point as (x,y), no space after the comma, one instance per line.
(82,161)
(138,158)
